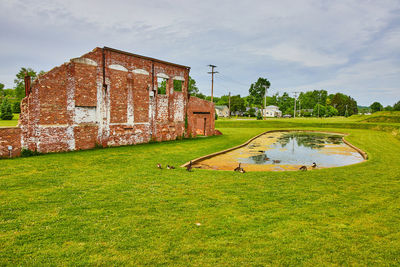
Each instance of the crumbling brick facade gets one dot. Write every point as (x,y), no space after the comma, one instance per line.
(108,97)
(201,117)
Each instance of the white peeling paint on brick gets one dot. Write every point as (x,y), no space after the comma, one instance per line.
(70,109)
(179,108)
(83,60)
(140,71)
(130,105)
(107,106)
(85,115)
(118,67)
(179,78)
(70,138)
(162,75)
(162,107)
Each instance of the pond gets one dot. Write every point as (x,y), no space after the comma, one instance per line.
(284,151)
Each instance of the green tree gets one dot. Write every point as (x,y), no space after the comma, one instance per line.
(257,91)
(388,108)
(1,89)
(259,116)
(223,100)
(200,95)
(16,107)
(252,112)
(344,103)
(311,98)
(396,106)
(376,106)
(285,103)
(162,88)
(178,85)
(331,111)
(237,104)
(20,81)
(9,92)
(6,111)
(322,110)
(192,88)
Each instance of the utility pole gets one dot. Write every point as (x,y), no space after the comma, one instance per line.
(229,104)
(212,72)
(295,99)
(265,99)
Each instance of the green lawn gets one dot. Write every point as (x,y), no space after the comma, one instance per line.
(114,207)
(10,123)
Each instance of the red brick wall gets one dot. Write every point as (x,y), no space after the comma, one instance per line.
(86,86)
(141,86)
(10,137)
(75,106)
(53,97)
(118,96)
(85,136)
(200,111)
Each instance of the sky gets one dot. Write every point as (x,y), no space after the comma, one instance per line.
(351,47)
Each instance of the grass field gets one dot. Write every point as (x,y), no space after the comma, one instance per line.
(10,123)
(114,207)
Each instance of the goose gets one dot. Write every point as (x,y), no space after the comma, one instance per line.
(276,161)
(159,166)
(314,165)
(237,168)
(189,167)
(170,167)
(303,168)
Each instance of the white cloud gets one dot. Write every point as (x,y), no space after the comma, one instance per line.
(309,42)
(305,56)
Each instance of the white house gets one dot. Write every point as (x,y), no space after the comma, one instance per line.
(272,111)
(222,111)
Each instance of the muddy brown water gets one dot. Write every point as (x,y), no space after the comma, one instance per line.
(285,151)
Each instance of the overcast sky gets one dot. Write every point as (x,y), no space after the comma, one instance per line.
(347,46)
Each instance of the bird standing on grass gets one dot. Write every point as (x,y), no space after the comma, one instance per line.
(314,165)
(237,168)
(159,166)
(303,168)
(170,167)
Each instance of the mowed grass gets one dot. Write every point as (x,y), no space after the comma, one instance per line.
(114,207)
(10,123)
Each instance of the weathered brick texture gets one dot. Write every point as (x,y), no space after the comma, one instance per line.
(10,137)
(107,97)
(201,117)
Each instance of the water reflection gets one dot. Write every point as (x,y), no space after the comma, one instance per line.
(280,151)
(259,159)
(301,148)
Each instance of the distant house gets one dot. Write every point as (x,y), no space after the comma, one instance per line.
(272,111)
(222,111)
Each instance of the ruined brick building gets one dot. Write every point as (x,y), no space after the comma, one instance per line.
(107,97)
